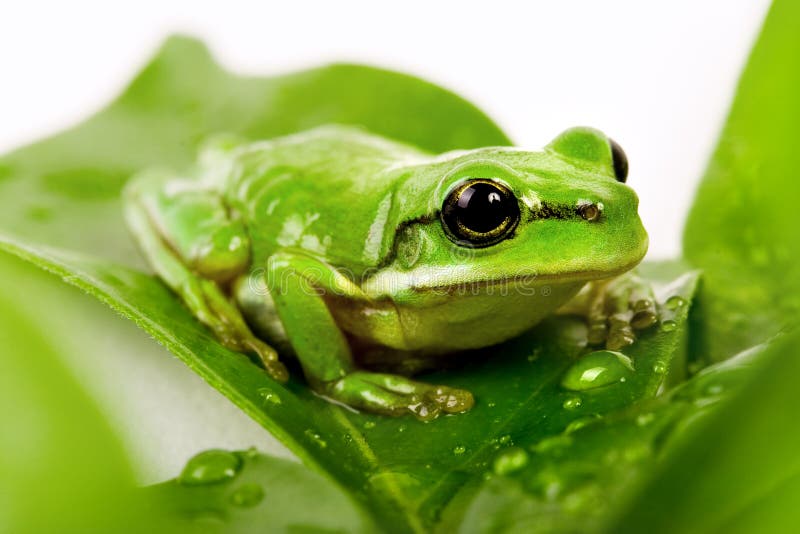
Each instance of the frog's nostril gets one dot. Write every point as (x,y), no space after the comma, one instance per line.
(590,211)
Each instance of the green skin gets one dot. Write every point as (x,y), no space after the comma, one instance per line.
(328,244)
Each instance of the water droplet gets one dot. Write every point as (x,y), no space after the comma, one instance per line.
(645,419)
(491,405)
(210,467)
(675,302)
(510,460)
(315,437)
(577,424)
(597,369)
(369,424)
(505,439)
(570,403)
(247,495)
(668,325)
(459,449)
(659,368)
(269,396)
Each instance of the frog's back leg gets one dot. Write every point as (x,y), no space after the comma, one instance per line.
(192,243)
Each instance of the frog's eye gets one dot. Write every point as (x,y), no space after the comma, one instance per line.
(620,161)
(479,213)
(590,147)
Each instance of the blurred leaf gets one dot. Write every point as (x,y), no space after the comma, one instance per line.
(255,493)
(578,481)
(739,471)
(742,230)
(61,469)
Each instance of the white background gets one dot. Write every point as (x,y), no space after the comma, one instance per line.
(656,76)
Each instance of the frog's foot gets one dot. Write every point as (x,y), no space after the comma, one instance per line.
(395,395)
(211,306)
(619,309)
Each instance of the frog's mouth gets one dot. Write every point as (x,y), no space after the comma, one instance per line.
(445,281)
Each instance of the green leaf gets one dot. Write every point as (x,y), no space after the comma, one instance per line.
(742,230)
(579,480)
(749,480)
(404,470)
(255,493)
(61,212)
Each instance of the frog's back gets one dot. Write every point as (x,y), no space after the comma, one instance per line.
(327,191)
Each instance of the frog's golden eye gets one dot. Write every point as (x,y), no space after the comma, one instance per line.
(480,212)
(620,161)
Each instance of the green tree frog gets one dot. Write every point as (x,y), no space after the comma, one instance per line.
(368,259)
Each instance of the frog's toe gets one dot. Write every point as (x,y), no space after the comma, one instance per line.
(268,357)
(620,332)
(644,314)
(624,307)
(396,395)
(451,400)
(426,397)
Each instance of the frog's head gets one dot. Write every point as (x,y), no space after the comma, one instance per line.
(562,214)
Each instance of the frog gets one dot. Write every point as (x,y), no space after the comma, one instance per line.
(367,259)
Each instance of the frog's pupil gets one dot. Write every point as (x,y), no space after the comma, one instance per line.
(480,212)
(481,208)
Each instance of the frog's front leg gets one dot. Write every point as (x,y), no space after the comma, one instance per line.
(298,284)
(615,309)
(193,245)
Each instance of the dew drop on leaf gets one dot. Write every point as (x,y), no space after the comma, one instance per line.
(210,467)
(247,495)
(675,302)
(269,396)
(668,325)
(597,369)
(645,419)
(510,460)
(316,438)
(577,424)
(571,403)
